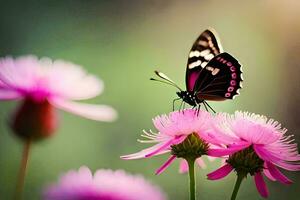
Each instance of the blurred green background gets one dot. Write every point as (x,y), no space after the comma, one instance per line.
(123,42)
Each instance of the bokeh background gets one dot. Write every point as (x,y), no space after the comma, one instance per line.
(123,42)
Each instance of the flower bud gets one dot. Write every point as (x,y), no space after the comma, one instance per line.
(246,161)
(192,147)
(34,120)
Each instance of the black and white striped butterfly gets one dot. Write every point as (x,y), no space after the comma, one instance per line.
(211,74)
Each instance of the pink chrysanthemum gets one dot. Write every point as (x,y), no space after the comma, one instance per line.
(183,133)
(255,145)
(104,185)
(43,84)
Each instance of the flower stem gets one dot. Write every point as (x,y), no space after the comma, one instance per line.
(22,171)
(192,179)
(238,182)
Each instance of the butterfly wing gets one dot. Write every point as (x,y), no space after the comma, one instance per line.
(203,50)
(220,79)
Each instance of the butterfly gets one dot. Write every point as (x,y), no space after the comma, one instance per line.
(211,74)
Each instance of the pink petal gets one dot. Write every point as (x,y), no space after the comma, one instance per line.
(90,111)
(201,163)
(9,95)
(143,153)
(264,154)
(220,173)
(184,167)
(86,87)
(287,166)
(261,185)
(277,174)
(165,165)
(165,146)
(267,173)
(228,151)
(268,156)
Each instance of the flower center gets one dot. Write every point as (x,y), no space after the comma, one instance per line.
(246,161)
(192,147)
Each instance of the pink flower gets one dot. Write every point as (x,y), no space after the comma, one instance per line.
(104,185)
(174,130)
(256,145)
(43,84)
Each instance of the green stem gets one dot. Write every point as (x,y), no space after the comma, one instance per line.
(22,172)
(238,182)
(192,179)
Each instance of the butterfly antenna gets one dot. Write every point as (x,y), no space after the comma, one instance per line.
(166,79)
(165,82)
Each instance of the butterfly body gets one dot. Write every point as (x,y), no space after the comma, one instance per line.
(211,74)
(190,98)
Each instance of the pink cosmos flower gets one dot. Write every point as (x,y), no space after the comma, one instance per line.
(256,146)
(174,129)
(43,84)
(104,185)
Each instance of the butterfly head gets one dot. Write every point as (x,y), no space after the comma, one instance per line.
(188,97)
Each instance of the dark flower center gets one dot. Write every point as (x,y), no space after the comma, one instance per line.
(246,161)
(191,148)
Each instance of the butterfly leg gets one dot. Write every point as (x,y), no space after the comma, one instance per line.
(183,107)
(195,109)
(209,106)
(205,106)
(198,109)
(174,103)
(180,106)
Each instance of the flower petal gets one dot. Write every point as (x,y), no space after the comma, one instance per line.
(63,76)
(267,173)
(163,147)
(268,156)
(165,165)
(228,151)
(287,166)
(261,185)
(220,173)
(183,167)
(6,94)
(277,174)
(90,111)
(201,163)
(144,152)
(264,154)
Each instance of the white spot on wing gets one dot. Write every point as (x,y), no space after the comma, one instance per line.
(215,71)
(204,52)
(208,56)
(203,64)
(194,64)
(195,53)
